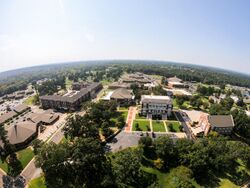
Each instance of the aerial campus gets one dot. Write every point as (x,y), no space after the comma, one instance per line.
(167,121)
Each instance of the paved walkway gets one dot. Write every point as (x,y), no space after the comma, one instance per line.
(165,125)
(130,119)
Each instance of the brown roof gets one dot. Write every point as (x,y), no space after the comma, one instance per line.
(74,98)
(221,121)
(20,108)
(174,79)
(122,93)
(7,116)
(47,117)
(21,132)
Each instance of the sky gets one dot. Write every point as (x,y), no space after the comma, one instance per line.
(213,33)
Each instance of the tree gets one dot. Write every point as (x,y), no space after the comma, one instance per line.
(126,165)
(80,126)
(81,163)
(164,148)
(145,141)
(180,177)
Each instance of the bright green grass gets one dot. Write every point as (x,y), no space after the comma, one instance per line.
(142,125)
(125,114)
(158,126)
(68,83)
(24,156)
(37,183)
(4,166)
(175,124)
(30,101)
(225,183)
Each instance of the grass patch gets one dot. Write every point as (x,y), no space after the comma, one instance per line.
(68,83)
(175,126)
(144,125)
(37,183)
(24,156)
(226,183)
(31,100)
(158,126)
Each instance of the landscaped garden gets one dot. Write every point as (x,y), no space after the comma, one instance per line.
(141,125)
(158,126)
(174,126)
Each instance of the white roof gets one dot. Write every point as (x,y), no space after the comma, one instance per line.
(156,97)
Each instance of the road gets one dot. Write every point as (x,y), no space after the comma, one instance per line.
(183,123)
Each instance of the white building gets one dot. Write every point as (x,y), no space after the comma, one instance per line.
(158,106)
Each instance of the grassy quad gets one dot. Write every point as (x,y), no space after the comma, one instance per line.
(158,126)
(175,125)
(143,125)
(24,156)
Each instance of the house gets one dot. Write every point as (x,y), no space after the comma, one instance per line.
(122,96)
(223,124)
(73,100)
(156,106)
(21,134)
(21,108)
(7,117)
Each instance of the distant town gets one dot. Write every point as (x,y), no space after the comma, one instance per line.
(176,122)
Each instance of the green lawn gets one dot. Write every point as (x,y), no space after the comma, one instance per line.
(68,83)
(30,101)
(24,156)
(37,183)
(158,126)
(225,183)
(175,124)
(143,125)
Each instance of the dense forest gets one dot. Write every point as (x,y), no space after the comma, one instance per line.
(12,81)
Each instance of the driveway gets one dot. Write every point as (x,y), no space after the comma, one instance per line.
(183,123)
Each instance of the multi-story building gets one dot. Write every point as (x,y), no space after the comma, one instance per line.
(156,106)
(223,124)
(73,100)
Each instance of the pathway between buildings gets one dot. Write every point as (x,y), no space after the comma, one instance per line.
(130,118)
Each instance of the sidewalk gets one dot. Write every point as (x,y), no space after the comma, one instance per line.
(130,119)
